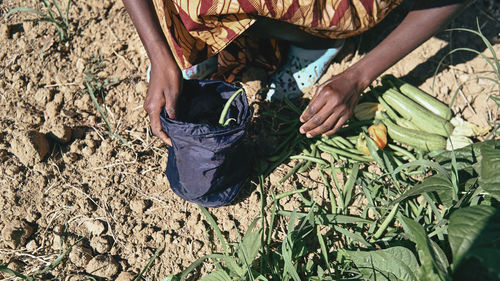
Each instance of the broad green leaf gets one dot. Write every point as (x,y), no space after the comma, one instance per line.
(475,231)
(489,178)
(287,249)
(289,268)
(426,253)
(441,258)
(436,183)
(250,244)
(489,258)
(465,156)
(397,261)
(218,275)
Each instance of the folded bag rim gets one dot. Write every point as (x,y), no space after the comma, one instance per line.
(207,130)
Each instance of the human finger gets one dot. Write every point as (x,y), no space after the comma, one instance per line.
(315,105)
(325,126)
(154,120)
(339,124)
(157,130)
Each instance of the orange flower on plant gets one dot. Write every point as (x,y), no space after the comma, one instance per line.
(378,133)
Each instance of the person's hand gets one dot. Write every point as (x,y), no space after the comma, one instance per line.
(165,85)
(331,106)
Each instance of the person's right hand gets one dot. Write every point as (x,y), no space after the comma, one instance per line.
(165,85)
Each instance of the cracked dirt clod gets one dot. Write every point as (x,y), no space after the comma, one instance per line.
(30,147)
(16,234)
(101,244)
(4,32)
(80,255)
(103,266)
(125,276)
(56,129)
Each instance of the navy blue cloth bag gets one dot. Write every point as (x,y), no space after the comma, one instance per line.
(207,163)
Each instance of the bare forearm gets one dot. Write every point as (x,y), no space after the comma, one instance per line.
(146,22)
(418,26)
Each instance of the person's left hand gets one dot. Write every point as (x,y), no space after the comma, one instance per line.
(331,106)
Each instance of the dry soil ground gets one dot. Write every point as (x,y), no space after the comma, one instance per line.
(62,177)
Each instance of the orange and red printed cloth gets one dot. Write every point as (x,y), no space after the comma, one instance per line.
(198,29)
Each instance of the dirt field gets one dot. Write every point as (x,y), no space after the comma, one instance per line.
(63,177)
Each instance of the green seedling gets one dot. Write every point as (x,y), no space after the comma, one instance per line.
(51,13)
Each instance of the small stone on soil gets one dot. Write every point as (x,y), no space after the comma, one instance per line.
(27,26)
(138,206)
(141,87)
(57,242)
(95,227)
(314,174)
(43,95)
(87,151)
(31,246)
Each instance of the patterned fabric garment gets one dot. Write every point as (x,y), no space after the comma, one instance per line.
(198,29)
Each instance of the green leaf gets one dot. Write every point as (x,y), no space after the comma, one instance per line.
(441,258)
(216,228)
(465,156)
(496,100)
(227,259)
(171,277)
(15,273)
(25,10)
(437,183)
(151,260)
(218,275)
(349,186)
(250,244)
(417,234)
(329,219)
(397,261)
(423,162)
(355,236)
(489,171)
(475,232)
(287,250)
